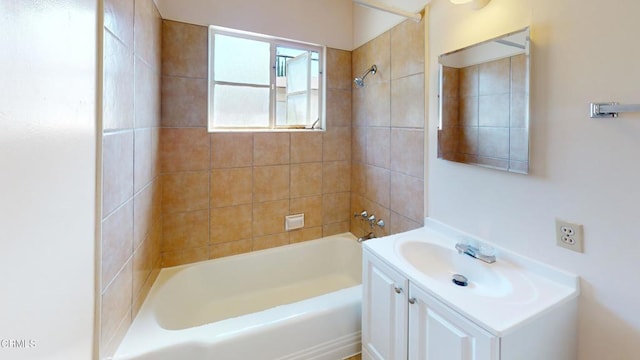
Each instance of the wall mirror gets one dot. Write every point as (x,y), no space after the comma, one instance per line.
(484,103)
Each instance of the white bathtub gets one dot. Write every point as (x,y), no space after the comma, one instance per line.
(300,301)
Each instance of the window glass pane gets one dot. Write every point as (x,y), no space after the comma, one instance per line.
(297,109)
(240,106)
(298,73)
(241,60)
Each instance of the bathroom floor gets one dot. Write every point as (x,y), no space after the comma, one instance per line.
(355,357)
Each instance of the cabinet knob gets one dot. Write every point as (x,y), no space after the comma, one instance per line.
(412,301)
(398,290)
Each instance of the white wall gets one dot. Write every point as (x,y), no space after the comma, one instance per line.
(47,178)
(370,23)
(326,22)
(583,170)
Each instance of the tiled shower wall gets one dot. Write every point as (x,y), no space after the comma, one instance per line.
(131,187)
(388,131)
(228,193)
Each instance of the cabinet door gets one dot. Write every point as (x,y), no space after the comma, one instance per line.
(439,333)
(384,311)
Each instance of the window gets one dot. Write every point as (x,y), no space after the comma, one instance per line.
(257,82)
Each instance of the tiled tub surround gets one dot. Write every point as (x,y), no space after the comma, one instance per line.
(228,193)
(387,176)
(131,222)
(487,122)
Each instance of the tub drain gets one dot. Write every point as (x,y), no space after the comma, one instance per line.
(460,280)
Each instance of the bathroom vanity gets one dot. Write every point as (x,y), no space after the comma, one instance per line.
(515,308)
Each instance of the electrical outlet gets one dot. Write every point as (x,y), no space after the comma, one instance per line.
(569,235)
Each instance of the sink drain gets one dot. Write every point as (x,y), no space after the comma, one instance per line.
(460,280)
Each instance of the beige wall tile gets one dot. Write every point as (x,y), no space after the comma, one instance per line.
(407,196)
(311,206)
(117,242)
(116,303)
(339,69)
(301,235)
(142,266)
(359,144)
(139,298)
(399,223)
(231,187)
(147,94)
(450,113)
(469,85)
(358,178)
(117,167)
(117,97)
(231,224)
(142,172)
(230,248)
(336,176)
(271,148)
(184,102)
(186,191)
(335,228)
(468,140)
(184,49)
(306,147)
(230,150)
(335,208)
(450,82)
(337,144)
(494,77)
(184,149)
(519,73)
(338,107)
(493,110)
(519,110)
(268,217)
(407,49)
(407,101)
(118,18)
(378,185)
(407,151)
(109,346)
(377,99)
(147,32)
(306,179)
(359,107)
(357,224)
(519,144)
(155,152)
(188,256)
(380,212)
(185,230)
(376,51)
(469,111)
(271,182)
(493,142)
(378,146)
(270,241)
(142,215)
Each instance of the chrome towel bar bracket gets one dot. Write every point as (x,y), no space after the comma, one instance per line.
(611,110)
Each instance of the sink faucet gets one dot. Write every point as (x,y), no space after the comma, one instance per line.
(474,252)
(369,236)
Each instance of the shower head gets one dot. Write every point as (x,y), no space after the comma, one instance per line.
(359,81)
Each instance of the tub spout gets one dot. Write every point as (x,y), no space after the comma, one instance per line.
(369,236)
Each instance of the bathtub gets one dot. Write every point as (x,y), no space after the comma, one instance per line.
(300,301)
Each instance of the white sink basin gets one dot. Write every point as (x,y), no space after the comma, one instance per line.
(441,263)
(500,281)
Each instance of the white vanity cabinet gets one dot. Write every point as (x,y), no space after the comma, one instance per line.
(401,321)
(438,333)
(385,309)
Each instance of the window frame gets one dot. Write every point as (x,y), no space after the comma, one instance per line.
(274,43)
